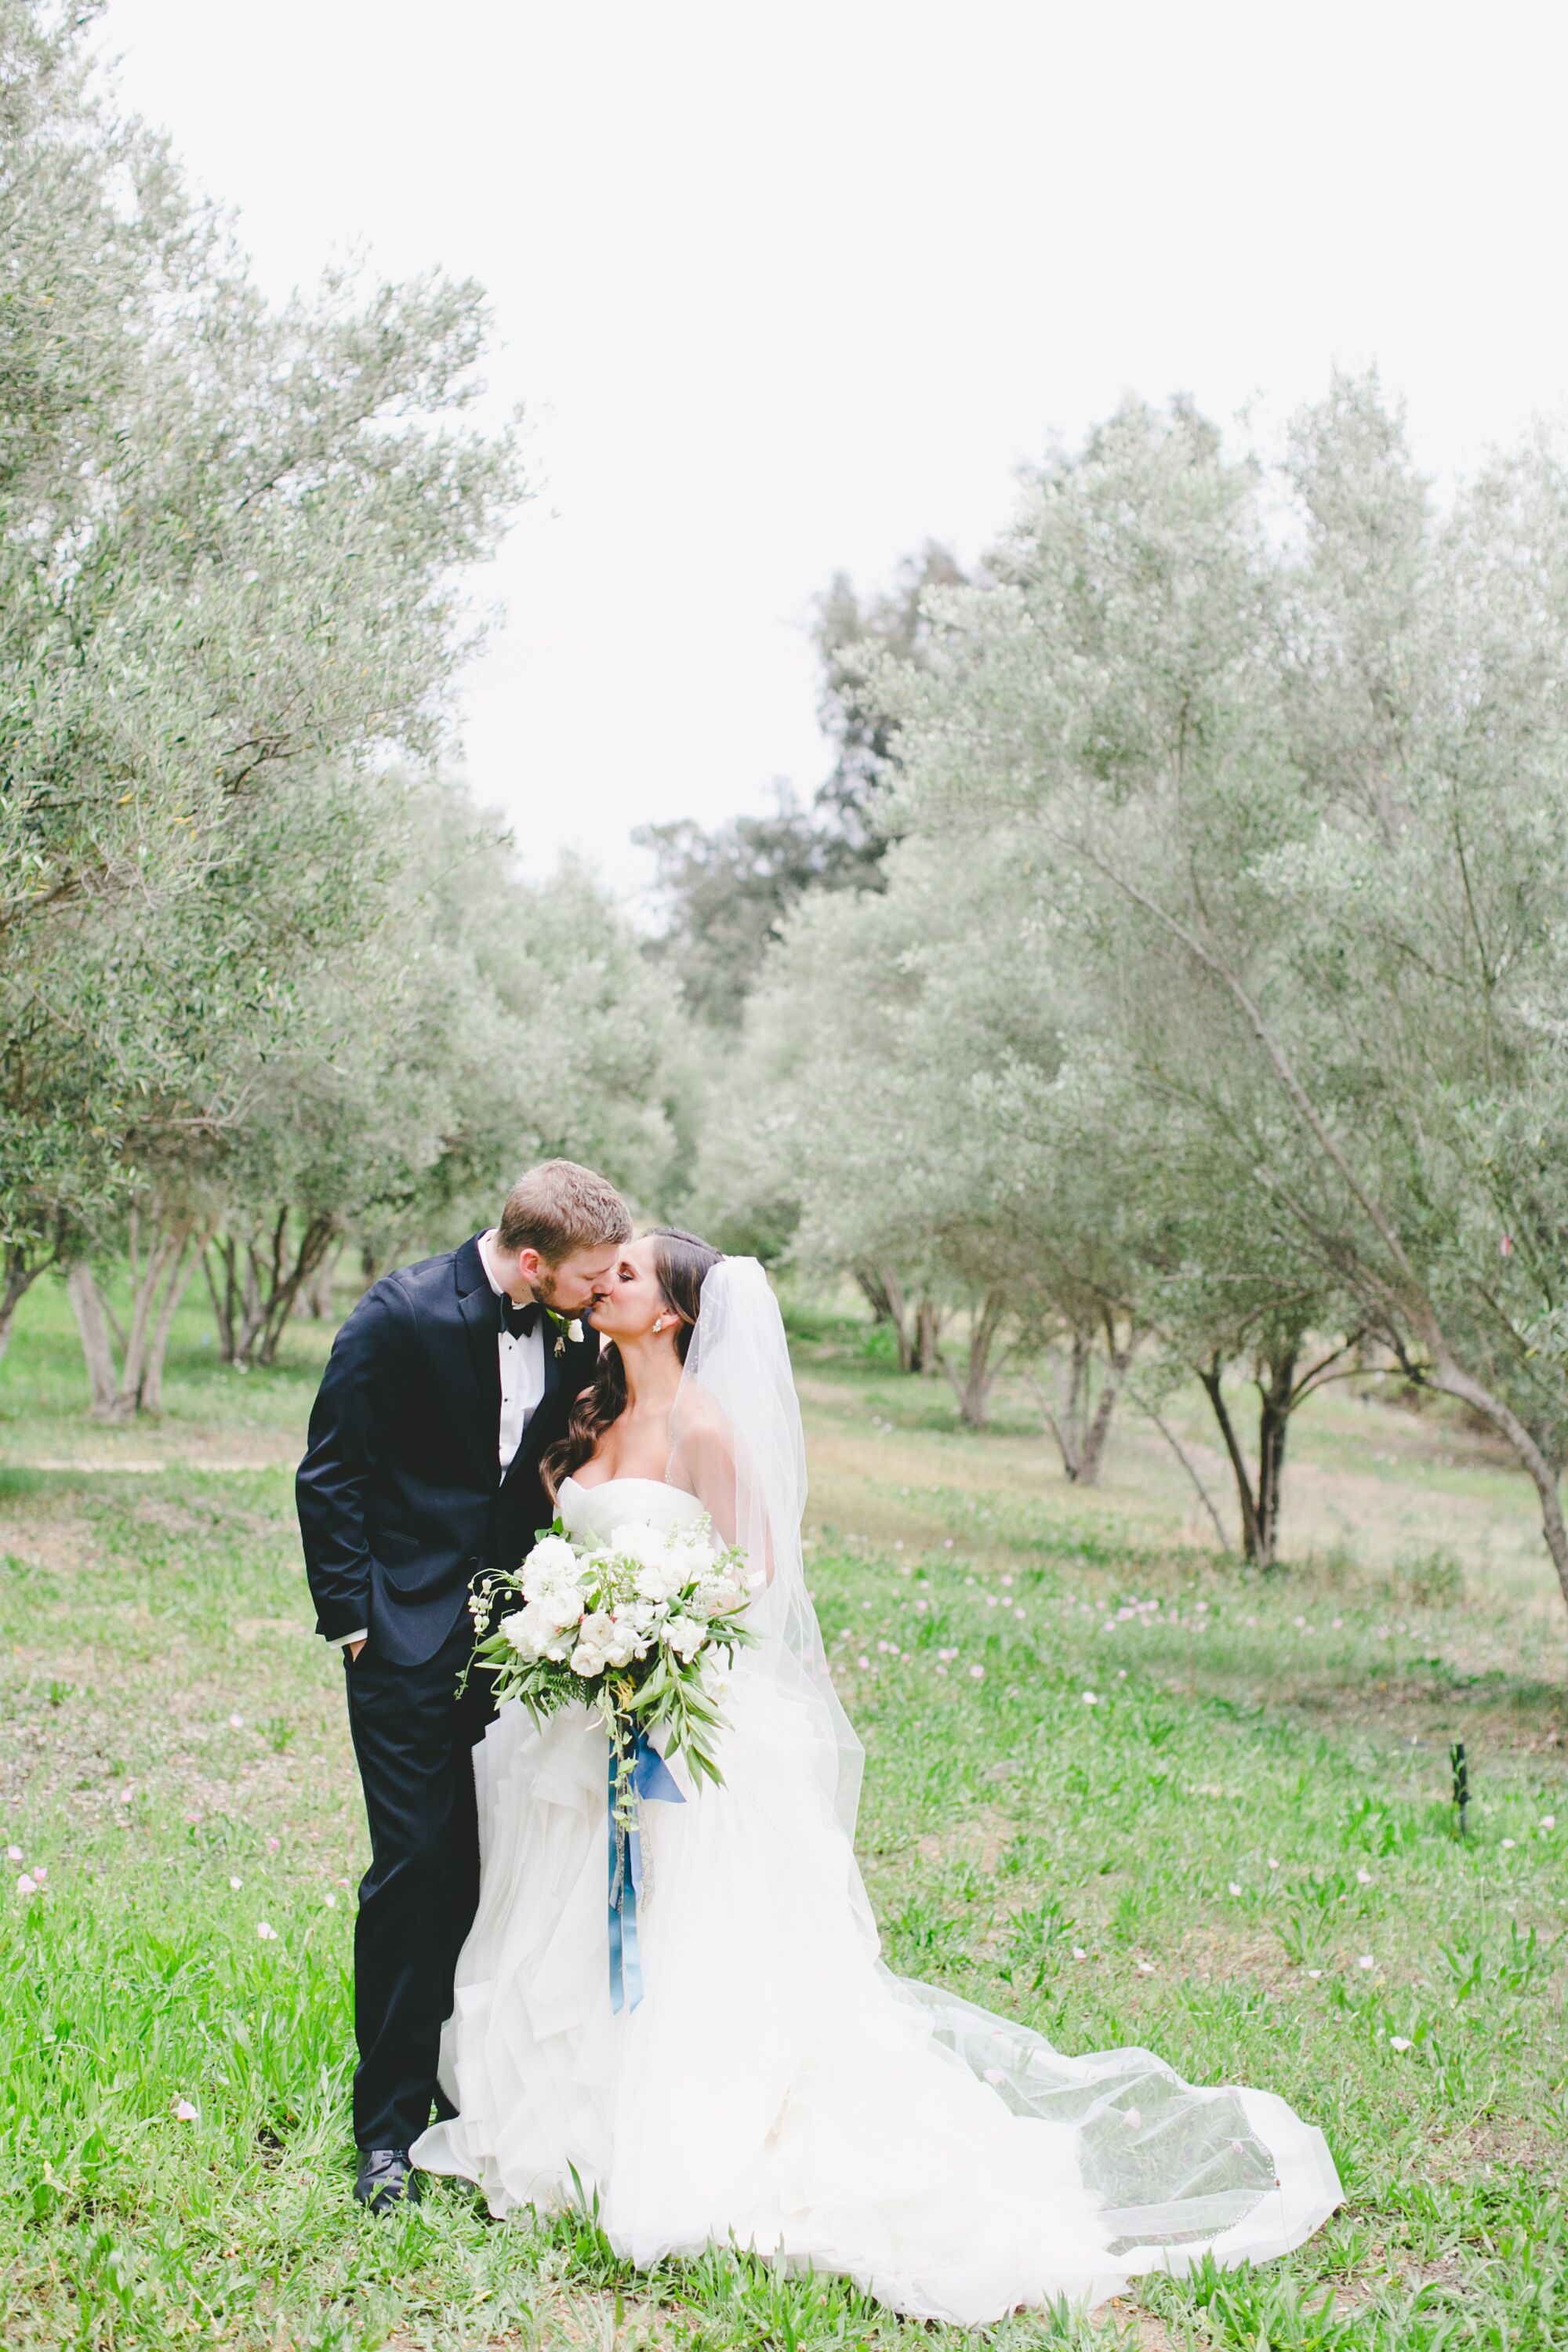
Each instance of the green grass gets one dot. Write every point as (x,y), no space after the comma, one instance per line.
(1284,1736)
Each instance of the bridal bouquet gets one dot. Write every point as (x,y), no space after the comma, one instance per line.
(630,1626)
(634,1628)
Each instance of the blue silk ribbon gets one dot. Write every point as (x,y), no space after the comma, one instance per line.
(651,1777)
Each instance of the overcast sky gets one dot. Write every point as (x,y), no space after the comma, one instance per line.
(788,285)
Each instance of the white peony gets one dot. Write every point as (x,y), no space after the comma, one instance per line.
(685,1636)
(537,1632)
(661,1580)
(550,1563)
(595,1636)
(635,1539)
(559,1607)
(626,1643)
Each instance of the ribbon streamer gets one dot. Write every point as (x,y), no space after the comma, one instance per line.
(650,1778)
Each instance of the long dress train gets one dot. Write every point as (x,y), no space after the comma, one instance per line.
(777,2085)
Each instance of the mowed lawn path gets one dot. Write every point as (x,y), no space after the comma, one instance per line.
(1115,1787)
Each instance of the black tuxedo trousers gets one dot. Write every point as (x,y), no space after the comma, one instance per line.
(402,1505)
(414,1743)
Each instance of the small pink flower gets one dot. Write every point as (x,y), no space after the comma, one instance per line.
(236,1722)
(1078,1953)
(235,1884)
(1399,2041)
(27,1884)
(271,1846)
(39,1872)
(13,1853)
(1367,1960)
(266,1934)
(977,1673)
(1235,1886)
(183,2111)
(1091,1698)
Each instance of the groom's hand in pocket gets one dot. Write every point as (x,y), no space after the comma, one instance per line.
(353,1649)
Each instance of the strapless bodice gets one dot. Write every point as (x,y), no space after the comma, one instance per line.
(592,1513)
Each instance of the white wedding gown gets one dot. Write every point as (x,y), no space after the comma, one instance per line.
(776,2085)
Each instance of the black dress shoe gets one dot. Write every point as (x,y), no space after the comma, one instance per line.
(385,2179)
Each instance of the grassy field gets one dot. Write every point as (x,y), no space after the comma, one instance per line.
(1115,1787)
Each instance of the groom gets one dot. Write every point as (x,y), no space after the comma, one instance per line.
(442,1389)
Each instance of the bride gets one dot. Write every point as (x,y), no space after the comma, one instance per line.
(777,2084)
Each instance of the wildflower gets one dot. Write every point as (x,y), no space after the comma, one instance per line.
(1145,1967)
(14,1852)
(1548,1821)
(27,1884)
(1078,1953)
(1235,1886)
(1364,1878)
(1314,1972)
(1091,1698)
(183,2111)
(1367,1960)
(977,1673)
(266,1934)
(1273,1864)
(271,1846)
(236,1722)
(862,1662)
(1507,1845)
(236,1883)
(330,1900)
(1399,2041)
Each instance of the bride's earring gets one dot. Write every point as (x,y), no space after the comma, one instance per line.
(659,1322)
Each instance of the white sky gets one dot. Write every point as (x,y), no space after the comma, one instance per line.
(788,285)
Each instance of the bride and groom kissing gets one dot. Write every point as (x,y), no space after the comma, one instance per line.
(776,2086)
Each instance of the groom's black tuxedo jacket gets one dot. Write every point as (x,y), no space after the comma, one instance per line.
(401,1499)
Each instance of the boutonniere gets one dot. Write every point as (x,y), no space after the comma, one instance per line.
(565,1329)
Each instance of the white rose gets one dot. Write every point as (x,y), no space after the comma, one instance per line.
(626,1643)
(594,1637)
(685,1636)
(552,1562)
(516,1629)
(575,1331)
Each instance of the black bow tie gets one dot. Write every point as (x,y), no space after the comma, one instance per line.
(519,1320)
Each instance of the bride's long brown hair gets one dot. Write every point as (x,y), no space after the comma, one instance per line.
(680,1264)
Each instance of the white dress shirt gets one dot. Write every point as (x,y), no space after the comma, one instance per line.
(521,1369)
(522,1387)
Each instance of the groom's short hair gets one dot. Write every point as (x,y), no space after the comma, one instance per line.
(558,1208)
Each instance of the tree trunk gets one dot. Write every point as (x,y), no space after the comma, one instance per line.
(974,1390)
(1251,1533)
(87,1305)
(257,1286)
(1453,1380)
(888,1305)
(925,1348)
(150,1399)
(1277,1396)
(1092,1452)
(22,1270)
(318,1289)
